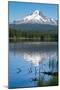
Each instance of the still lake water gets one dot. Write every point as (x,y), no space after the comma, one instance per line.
(26,60)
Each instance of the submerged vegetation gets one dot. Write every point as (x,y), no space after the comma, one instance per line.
(40,83)
(51,82)
(20,35)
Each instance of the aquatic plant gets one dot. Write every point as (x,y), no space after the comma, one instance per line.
(40,83)
(53,81)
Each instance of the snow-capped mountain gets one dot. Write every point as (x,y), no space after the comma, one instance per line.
(37,17)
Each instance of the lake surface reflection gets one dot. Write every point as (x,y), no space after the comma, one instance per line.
(29,60)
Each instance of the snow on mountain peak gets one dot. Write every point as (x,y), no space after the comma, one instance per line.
(35,17)
(36,12)
(38,17)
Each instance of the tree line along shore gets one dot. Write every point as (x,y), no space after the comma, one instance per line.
(19,35)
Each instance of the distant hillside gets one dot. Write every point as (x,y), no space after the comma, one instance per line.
(35,27)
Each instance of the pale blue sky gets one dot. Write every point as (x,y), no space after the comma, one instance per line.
(17,10)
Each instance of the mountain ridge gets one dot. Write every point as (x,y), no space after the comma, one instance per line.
(36,17)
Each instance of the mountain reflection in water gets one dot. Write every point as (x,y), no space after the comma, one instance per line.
(28,61)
